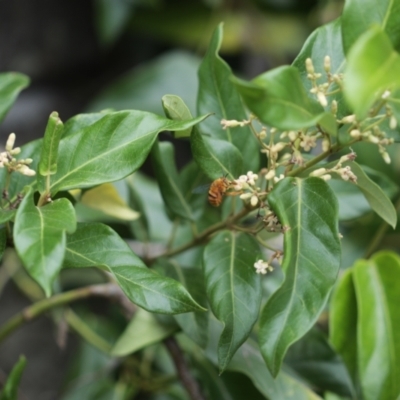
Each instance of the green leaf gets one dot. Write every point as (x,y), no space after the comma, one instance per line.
(308,211)
(324,41)
(110,149)
(6,215)
(40,237)
(81,121)
(11,83)
(97,245)
(343,323)
(10,391)
(218,94)
(143,330)
(372,67)
(215,157)
(377,286)
(249,361)
(48,158)
(164,168)
(279,99)
(176,109)
(194,324)
(359,15)
(314,360)
(233,288)
(3,241)
(143,87)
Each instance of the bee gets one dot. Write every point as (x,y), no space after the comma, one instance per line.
(217,191)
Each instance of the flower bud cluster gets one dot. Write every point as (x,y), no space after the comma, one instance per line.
(344,172)
(8,160)
(321,90)
(247,184)
(233,123)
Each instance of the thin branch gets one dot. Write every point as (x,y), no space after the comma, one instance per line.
(190,384)
(29,313)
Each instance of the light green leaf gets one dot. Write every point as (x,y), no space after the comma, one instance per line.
(377,286)
(11,83)
(109,149)
(164,168)
(308,211)
(279,99)
(218,94)
(176,109)
(81,121)
(97,245)
(233,288)
(143,330)
(372,67)
(10,390)
(40,237)
(215,157)
(6,215)
(48,158)
(359,15)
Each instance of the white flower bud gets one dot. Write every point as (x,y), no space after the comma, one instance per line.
(245,196)
(325,144)
(322,99)
(254,200)
(355,133)
(318,172)
(386,157)
(393,122)
(334,107)
(348,119)
(293,135)
(327,64)
(309,66)
(270,174)
(326,177)
(10,142)
(385,94)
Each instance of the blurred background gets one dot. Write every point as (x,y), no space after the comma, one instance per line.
(89,55)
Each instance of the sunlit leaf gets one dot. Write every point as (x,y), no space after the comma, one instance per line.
(11,83)
(40,237)
(308,211)
(233,288)
(97,245)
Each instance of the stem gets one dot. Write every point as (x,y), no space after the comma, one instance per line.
(190,384)
(31,312)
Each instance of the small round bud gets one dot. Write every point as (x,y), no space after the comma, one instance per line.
(327,64)
(309,66)
(10,142)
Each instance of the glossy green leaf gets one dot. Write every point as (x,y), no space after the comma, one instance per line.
(218,95)
(215,157)
(40,237)
(97,245)
(359,15)
(343,322)
(48,158)
(314,360)
(163,157)
(377,286)
(249,361)
(81,121)
(194,324)
(11,83)
(110,149)
(233,288)
(372,67)
(279,99)
(143,330)
(308,211)
(176,109)
(10,390)
(324,41)
(143,87)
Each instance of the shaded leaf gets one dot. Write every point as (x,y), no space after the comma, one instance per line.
(279,99)
(233,288)
(308,211)
(164,168)
(143,330)
(107,199)
(372,67)
(359,15)
(176,109)
(97,245)
(40,237)
(11,83)
(10,391)
(6,215)
(110,149)
(215,157)
(218,94)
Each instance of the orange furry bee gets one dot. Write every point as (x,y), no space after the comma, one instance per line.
(218,189)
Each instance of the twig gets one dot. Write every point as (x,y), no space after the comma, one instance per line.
(29,313)
(190,384)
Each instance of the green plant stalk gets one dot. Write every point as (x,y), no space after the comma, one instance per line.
(31,312)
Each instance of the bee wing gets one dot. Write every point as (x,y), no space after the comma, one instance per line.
(201,189)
